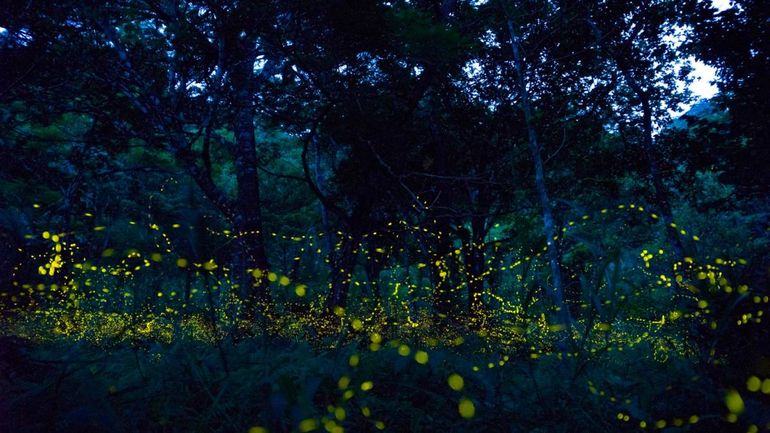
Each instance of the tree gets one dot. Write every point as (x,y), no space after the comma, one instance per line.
(735,42)
(168,74)
(633,38)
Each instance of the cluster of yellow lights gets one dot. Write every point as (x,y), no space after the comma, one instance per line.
(80,299)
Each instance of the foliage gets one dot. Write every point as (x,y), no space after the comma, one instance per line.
(365,215)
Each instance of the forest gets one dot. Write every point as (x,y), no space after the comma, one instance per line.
(266,216)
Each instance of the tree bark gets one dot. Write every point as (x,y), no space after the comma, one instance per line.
(661,193)
(343,259)
(556,294)
(247,218)
(441,273)
(474,264)
(374,265)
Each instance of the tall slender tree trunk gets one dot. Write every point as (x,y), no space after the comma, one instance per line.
(440,274)
(343,259)
(374,266)
(247,218)
(474,264)
(556,294)
(649,147)
(319,180)
(661,193)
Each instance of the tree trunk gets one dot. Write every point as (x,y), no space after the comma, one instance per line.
(556,294)
(374,266)
(661,193)
(440,274)
(343,259)
(247,218)
(474,264)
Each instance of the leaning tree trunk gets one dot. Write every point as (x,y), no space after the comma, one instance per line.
(557,292)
